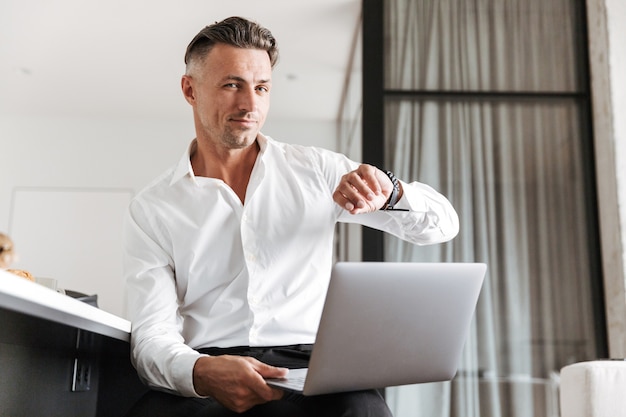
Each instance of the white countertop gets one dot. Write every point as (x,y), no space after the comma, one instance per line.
(24,296)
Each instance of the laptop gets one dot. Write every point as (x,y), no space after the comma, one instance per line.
(389,323)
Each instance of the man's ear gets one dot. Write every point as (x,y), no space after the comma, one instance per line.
(187,86)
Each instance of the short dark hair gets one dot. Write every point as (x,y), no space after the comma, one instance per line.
(235,31)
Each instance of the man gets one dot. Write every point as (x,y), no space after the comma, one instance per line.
(228,254)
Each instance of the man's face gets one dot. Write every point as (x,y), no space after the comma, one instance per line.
(230,95)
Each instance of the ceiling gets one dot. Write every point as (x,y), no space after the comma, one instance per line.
(124,58)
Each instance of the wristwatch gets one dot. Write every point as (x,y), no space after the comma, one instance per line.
(395,193)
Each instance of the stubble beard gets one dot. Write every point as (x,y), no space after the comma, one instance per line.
(237,140)
(237,137)
(228,136)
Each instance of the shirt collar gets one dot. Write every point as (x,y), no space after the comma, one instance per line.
(184,168)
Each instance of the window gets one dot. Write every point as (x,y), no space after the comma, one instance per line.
(488,101)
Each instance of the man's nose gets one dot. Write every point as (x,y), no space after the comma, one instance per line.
(247,100)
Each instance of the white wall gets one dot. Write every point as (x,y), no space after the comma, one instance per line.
(607,53)
(94,158)
(616,15)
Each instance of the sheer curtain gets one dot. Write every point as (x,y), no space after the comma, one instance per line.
(514,166)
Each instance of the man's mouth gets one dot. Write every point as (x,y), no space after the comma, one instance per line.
(244,122)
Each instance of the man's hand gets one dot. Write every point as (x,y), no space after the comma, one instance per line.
(363,190)
(236,382)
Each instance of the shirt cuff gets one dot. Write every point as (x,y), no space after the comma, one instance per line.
(409,194)
(182,372)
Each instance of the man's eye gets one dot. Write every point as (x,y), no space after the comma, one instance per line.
(263,89)
(231,85)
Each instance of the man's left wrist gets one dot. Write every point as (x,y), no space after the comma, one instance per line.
(396,192)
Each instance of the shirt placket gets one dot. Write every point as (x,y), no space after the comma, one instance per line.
(253,258)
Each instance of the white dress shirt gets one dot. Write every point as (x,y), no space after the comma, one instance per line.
(205,270)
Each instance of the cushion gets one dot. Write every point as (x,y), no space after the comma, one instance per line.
(594,389)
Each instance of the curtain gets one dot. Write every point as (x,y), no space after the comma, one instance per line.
(515,169)
(483,45)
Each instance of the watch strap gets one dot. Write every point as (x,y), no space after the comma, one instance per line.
(395,192)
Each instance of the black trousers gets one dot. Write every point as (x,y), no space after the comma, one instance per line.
(368,403)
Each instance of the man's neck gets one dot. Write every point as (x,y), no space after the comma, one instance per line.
(233,166)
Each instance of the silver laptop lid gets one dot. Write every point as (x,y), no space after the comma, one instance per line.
(387,324)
